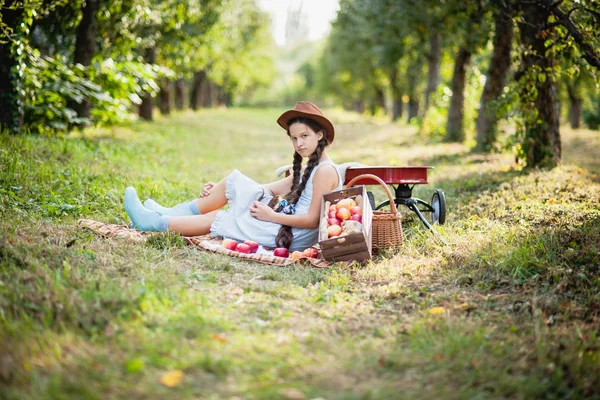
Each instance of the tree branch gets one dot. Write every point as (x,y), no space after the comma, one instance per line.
(588,51)
(594,13)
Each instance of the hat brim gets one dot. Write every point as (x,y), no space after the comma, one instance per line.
(289,115)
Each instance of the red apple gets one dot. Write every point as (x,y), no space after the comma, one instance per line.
(356,217)
(283,252)
(356,210)
(253,245)
(343,214)
(296,255)
(334,221)
(343,203)
(229,244)
(243,248)
(332,208)
(332,214)
(333,231)
(311,252)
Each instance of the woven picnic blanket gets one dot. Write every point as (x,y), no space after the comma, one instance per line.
(205,242)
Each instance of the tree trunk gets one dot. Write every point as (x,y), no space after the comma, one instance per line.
(413,75)
(221,100)
(197,98)
(576,103)
(358,106)
(11,82)
(165,97)
(85,47)
(212,94)
(228,99)
(434,58)
(378,101)
(147,100)
(413,107)
(454,127)
(541,145)
(495,82)
(396,96)
(180,89)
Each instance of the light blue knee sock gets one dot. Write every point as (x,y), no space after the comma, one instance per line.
(142,218)
(180,210)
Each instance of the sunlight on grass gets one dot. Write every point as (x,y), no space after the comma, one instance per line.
(514,293)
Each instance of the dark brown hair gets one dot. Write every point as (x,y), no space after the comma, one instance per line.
(284,237)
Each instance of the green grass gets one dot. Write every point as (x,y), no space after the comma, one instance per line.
(509,308)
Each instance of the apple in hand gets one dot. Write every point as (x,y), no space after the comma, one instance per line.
(229,244)
(334,230)
(283,252)
(243,248)
(310,252)
(343,214)
(253,245)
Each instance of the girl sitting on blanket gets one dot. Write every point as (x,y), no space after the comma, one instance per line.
(283,213)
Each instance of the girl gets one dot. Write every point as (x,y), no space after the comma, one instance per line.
(257,212)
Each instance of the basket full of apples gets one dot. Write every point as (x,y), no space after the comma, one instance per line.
(345,225)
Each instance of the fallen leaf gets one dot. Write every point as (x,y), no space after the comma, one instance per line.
(134,365)
(552,201)
(381,360)
(172,378)
(236,291)
(437,310)
(580,171)
(438,357)
(218,338)
(109,330)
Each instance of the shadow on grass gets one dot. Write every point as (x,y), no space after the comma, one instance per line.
(557,261)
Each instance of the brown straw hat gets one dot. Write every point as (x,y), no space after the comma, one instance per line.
(306,109)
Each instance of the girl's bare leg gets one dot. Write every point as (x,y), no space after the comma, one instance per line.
(216,198)
(193,225)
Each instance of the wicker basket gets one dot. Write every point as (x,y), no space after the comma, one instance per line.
(387,225)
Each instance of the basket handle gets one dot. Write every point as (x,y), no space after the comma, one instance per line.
(382,183)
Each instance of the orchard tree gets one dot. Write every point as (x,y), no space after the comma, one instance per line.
(545,31)
(474,37)
(85,47)
(14,30)
(497,75)
(183,47)
(241,54)
(349,65)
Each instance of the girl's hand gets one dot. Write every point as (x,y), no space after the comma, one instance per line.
(206,189)
(262,211)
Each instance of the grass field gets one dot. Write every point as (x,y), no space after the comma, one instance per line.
(510,308)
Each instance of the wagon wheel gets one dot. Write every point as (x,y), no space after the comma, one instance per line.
(438,203)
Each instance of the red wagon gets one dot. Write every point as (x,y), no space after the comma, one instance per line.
(405,178)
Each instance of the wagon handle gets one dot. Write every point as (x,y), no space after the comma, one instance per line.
(393,208)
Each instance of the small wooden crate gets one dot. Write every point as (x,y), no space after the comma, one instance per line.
(353,247)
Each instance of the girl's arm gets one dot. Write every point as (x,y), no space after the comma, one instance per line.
(280,187)
(325,180)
